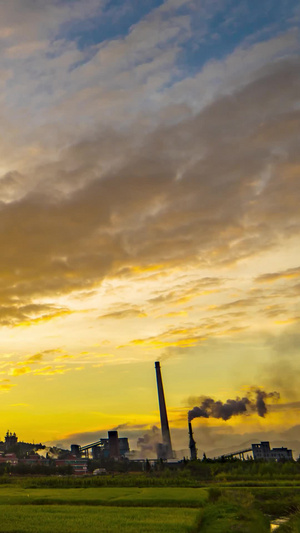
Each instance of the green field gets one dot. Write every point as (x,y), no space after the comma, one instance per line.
(108,496)
(99,509)
(82,519)
(135,509)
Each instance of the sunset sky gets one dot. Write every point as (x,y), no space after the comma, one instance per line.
(150,210)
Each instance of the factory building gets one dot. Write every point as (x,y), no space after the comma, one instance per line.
(79,465)
(112,447)
(263,451)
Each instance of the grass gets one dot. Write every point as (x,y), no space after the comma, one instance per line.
(109,496)
(225,516)
(80,519)
(213,509)
(292,526)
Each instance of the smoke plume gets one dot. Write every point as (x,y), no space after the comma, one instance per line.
(148,443)
(255,401)
(260,403)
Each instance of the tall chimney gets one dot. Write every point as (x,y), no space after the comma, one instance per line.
(192,444)
(163,413)
(113,443)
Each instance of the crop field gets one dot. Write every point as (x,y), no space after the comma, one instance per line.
(109,509)
(109,496)
(149,509)
(80,519)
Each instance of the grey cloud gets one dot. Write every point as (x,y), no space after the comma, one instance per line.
(140,212)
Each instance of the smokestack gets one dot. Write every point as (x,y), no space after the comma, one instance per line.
(113,443)
(163,413)
(192,444)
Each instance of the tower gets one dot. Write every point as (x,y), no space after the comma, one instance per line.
(163,413)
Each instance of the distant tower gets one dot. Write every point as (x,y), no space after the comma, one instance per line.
(192,444)
(163,413)
(10,440)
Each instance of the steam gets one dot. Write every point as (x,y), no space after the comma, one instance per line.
(255,401)
(149,441)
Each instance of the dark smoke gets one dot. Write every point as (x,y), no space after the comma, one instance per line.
(210,408)
(260,404)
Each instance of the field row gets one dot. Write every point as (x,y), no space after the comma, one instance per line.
(149,510)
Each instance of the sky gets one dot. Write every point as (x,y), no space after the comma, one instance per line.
(149,210)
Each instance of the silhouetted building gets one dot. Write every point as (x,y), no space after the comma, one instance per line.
(263,451)
(114,449)
(192,444)
(79,465)
(11,440)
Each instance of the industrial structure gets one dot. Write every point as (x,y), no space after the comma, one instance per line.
(262,451)
(13,451)
(112,447)
(192,444)
(164,449)
(12,444)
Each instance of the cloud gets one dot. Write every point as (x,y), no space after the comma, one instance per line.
(44,318)
(187,290)
(14,313)
(36,358)
(123,165)
(188,335)
(20,371)
(63,357)
(6,385)
(23,366)
(50,370)
(190,193)
(288,274)
(282,369)
(127,312)
(247,302)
